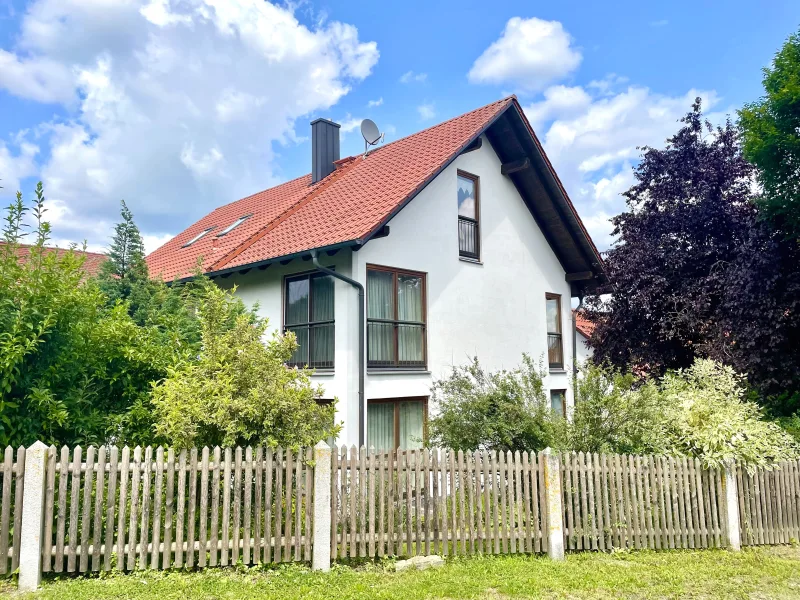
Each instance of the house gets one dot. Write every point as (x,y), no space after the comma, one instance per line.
(92,261)
(584,328)
(456,241)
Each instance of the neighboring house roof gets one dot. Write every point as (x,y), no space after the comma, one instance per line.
(584,326)
(91,264)
(353,203)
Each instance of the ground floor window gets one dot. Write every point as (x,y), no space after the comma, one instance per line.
(558,402)
(396,423)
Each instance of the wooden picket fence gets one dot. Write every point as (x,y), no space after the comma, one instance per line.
(769,504)
(12,481)
(417,502)
(147,508)
(108,508)
(621,501)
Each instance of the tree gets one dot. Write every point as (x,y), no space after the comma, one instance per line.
(239,391)
(503,410)
(125,267)
(688,214)
(69,363)
(771,139)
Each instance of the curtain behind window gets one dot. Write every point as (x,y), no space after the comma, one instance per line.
(322,342)
(380,425)
(380,305)
(409,308)
(411,425)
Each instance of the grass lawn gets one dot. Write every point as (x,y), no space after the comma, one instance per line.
(755,573)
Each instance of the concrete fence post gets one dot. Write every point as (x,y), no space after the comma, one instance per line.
(732,506)
(553,515)
(321,558)
(30,550)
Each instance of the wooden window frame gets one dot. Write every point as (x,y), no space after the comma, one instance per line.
(284,305)
(559,333)
(397,402)
(563,393)
(477,220)
(395,321)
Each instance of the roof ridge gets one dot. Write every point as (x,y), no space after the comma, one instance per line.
(506,99)
(314,189)
(287,182)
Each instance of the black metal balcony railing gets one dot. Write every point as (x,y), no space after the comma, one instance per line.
(555,351)
(468,240)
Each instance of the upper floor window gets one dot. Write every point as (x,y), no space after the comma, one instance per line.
(308,312)
(468,216)
(555,345)
(395,318)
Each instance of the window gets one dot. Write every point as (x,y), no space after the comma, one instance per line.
(197,237)
(555,345)
(395,318)
(396,423)
(558,402)
(468,213)
(308,312)
(234,225)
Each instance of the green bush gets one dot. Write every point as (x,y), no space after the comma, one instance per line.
(709,417)
(503,410)
(616,413)
(238,391)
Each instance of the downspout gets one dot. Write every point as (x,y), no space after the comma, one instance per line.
(361,312)
(575,348)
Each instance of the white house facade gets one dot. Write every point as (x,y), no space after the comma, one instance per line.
(463,267)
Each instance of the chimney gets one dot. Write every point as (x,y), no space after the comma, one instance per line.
(324,148)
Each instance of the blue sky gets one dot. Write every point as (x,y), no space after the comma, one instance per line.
(179,106)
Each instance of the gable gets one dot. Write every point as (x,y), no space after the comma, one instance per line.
(355,202)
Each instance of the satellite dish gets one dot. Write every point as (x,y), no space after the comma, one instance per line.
(371,134)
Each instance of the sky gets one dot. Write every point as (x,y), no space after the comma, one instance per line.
(180,106)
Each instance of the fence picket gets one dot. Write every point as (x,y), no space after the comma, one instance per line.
(166,554)
(215,477)
(47,536)
(237,505)
(226,510)
(180,512)
(111,497)
(268,503)
(248,504)
(203,519)
(98,510)
(287,505)
(298,512)
(5,514)
(192,501)
(144,533)
(461,502)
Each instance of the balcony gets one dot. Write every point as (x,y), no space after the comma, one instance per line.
(555,351)
(468,238)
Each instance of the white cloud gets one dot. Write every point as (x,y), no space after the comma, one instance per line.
(592,135)
(174,105)
(411,77)
(374,103)
(426,111)
(15,166)
(530,54)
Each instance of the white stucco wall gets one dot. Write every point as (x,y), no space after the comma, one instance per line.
(584,350)
(494,309)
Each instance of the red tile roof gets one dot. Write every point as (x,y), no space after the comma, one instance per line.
(585,326)
(91,264)
(344,208)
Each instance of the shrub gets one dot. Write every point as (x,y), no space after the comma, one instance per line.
(239,391)
(503,410)
(616,413)
(708,417)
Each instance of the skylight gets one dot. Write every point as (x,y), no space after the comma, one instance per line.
(197,237)
(234,225)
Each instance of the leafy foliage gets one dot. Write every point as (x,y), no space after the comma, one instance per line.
(503,410)
(709,417)
(616,413)
(238,391)
(688,214)
(69,364)
(771,133)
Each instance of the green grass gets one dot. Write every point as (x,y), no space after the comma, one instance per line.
(755,573)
